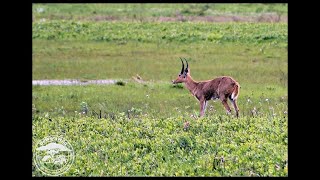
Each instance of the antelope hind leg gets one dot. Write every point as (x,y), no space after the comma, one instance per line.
(226,106)
(235,106)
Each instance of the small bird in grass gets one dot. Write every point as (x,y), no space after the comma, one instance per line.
(139,77)
(186,126)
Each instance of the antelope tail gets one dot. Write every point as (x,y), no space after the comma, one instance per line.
(235,92)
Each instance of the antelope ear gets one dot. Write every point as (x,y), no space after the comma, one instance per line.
(185,73)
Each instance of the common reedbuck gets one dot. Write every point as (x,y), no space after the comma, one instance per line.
(223,87)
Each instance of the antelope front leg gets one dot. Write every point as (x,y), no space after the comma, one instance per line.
(203,104)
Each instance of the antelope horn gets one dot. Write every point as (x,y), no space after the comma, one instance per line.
(182,66)
(187,65)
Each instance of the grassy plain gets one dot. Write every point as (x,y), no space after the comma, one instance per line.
(140,131)
(143,12)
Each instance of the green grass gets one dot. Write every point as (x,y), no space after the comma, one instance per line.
(154,32)
(152,99)
(216,146)
(140,12)
(140,131)
(114,50)
(92,60)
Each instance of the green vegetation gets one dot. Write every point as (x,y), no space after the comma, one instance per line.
(133,128)
(120,50)
(143,146)
(153,99)
(161,32)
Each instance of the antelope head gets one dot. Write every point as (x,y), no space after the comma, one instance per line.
(182,77)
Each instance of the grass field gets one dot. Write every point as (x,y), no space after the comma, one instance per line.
(137,129)
(143,12)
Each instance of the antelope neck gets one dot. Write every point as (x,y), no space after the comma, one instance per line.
(191,85)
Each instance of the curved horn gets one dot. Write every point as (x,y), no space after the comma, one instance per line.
(187,65)
(182,66)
